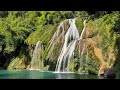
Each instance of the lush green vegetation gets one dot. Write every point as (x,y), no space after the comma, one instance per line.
(20,30)
(16,26)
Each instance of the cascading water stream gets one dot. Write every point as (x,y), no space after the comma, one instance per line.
(67,51)
(84,23)
(36,56)
(55,37)
(69,37)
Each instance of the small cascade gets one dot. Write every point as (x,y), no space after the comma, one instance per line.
(55,37)
(84,23)
(36,56)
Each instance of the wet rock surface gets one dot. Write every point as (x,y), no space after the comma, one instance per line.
(110,73)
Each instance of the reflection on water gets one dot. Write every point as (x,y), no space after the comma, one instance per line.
(67,76)
(37,74)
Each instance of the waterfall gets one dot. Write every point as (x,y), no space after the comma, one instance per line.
(67,35)
(67,51)
(36,56)
(55,37)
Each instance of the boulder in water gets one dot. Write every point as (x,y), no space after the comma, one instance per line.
(110,73)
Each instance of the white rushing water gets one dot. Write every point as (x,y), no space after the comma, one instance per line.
(55,37)
(67,52)
(69,35)
(36,57)
(68,48)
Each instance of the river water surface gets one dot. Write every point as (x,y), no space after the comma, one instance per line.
(37,74)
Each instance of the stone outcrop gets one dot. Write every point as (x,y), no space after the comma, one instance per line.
(97,52)
(110,73)
(99,56)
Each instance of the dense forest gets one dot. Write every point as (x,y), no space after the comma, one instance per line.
(21,30)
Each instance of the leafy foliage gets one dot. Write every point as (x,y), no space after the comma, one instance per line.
(18,28)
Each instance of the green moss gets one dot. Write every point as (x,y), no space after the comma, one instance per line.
(79,24)
(17,63)
(117,62)
(43,34)
(73,65)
